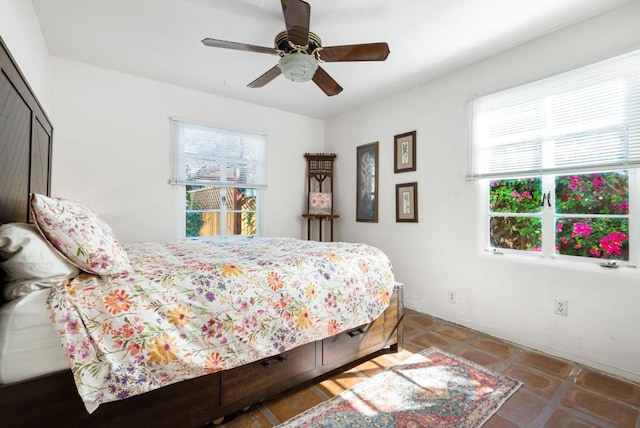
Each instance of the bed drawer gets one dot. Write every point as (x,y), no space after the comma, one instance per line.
(353,343)
(270,375)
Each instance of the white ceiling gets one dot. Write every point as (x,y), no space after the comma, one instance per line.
(160,39)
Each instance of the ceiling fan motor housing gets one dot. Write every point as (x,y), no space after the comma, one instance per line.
(281,43)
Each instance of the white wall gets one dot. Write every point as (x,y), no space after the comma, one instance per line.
(504,296)
(112,145)
(20,30)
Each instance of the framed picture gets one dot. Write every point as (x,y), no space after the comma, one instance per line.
(404,153)
(367,183)
(407,202)
(319,203)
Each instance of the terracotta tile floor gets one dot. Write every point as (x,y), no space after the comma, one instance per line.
(555,392)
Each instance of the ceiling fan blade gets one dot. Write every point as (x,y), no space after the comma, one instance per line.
(215,43)
(326,82)
(297,15)
(265,78)
(364,52)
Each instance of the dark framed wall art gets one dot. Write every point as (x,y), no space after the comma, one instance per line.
(407,202)
(404,153)
(367,183)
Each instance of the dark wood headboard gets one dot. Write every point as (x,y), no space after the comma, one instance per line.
(25,142)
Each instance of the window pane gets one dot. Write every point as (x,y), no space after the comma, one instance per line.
(521,119)
(202,224)
(516,233)
(193,224)
(600,193)
(241,223)
(589,148)
(520,195)
(239,199)
(204,198)
(218,198)
(210,223)
(590,106)
(604,238)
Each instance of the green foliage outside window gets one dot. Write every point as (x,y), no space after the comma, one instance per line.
(516,196)
(516,233)
(520,195)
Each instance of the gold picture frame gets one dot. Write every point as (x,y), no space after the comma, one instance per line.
(367,183)
(407,202)
(404,153)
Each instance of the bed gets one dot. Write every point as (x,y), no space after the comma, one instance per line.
(42,362)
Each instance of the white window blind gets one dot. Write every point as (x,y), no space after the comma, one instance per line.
(209,156)
(586,119)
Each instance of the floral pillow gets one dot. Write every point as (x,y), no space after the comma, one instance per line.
(79,234)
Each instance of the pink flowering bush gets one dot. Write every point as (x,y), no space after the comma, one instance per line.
(603,238)
(596,237)
(602,193)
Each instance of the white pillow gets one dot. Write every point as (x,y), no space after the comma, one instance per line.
(79,234)
(28,262)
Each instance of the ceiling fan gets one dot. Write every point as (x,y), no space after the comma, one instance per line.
(301,51)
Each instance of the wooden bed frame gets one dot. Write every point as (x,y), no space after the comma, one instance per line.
(52,400)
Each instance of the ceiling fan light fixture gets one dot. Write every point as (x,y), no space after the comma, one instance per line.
(298,67)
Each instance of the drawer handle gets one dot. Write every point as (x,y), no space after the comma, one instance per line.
(356,332)
(278,360)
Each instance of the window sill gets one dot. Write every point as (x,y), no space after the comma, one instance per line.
(623,268)
(218,238)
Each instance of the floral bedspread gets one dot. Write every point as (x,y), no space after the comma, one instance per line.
(192,308)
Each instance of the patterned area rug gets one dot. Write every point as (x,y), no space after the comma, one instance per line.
(430,389)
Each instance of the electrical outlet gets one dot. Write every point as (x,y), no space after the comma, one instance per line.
(561,307)
(452,296)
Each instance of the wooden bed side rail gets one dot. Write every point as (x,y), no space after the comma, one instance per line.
(396,320)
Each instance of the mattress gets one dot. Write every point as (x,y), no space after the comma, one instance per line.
(29,344)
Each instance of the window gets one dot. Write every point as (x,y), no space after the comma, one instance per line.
(223,173)
(589,214)
(559,160)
